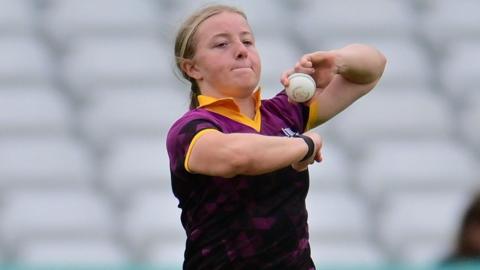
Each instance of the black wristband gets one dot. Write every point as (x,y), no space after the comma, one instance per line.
(310,144)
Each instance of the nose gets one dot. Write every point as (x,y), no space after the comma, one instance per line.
(241,51)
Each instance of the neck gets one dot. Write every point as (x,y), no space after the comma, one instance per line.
(247,106)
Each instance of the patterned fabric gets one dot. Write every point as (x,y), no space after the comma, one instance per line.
(245,222)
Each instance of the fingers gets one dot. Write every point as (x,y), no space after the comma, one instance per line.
(304,65)
(284,77)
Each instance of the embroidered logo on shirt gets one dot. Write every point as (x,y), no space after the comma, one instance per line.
(289,132)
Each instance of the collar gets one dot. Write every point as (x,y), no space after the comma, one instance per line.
(228,108)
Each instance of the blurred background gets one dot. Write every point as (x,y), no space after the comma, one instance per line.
(88,91)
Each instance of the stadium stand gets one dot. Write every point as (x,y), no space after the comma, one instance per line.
(74,252)
(88,92)
(17,17)
(420,217)
(123,174)
(35,111)
(25,61)
(45,162)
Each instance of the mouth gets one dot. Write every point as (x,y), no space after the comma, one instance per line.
(242,68)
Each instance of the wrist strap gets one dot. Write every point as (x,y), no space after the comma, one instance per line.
(310,144)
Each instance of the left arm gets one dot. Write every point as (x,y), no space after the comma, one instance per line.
(342,76)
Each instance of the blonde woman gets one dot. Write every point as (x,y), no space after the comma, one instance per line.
(239,163)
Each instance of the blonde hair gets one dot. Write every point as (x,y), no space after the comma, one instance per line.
(185,42)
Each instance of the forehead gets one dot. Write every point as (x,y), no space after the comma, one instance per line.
(225,22)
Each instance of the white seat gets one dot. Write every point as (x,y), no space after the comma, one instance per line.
(408,217)
(320,20)
(34,111)
(391,114)
(81,252)
(470,119)
(152,215)
(166,253)
(337,215)
(416,165)
(29,215)
(41,162)
(426,252)
(333,171)
(458,70)
(123,173)
(69,21)
(16,17)
(117,62)
(346,254)
(444,20)
(277,55)
(112,115)
(24,61)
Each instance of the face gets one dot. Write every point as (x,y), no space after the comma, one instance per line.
(226,62)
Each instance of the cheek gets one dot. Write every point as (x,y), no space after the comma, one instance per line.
(255,60)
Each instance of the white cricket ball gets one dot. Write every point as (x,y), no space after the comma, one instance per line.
(301,87)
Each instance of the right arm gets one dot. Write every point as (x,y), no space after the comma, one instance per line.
(228,155)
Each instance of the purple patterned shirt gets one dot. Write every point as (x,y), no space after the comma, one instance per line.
(245,222)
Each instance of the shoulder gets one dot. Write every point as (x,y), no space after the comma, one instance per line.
(190,124)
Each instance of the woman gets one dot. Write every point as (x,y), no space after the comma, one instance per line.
(238,163)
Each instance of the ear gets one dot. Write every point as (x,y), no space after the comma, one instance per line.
(189,67)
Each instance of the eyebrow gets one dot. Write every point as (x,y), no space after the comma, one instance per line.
(224,34)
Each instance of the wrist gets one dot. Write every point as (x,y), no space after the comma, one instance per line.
(310,144)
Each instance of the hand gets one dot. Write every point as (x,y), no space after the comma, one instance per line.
(316,156)
(321,65)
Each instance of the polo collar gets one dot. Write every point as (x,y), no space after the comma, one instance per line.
(228,108)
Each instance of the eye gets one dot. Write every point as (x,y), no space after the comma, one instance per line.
(221,45)
(248,42)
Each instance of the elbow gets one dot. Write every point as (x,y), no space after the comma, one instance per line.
(381,64)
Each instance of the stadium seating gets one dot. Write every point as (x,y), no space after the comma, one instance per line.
(349,254)
(66,22)
(431,216)
(17,17)
(34,111)
(117,114)
(116,62)
(151,216)
(333,171)
(76,252)
(88,92)
(470,119)
(425,252)
(411,165)
(30,215)
(320,20)
(394,114)
(45,162)
(25,61)
(165,253)
(123,174)
(443,22)
(338,215)
(458,69)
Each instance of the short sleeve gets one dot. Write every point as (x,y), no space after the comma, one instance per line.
(181,136)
